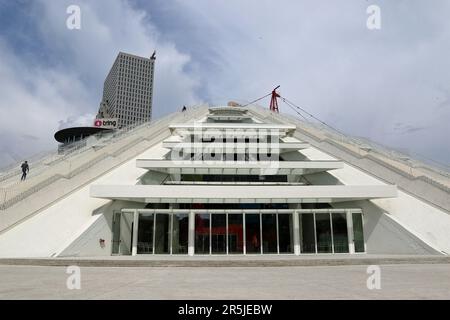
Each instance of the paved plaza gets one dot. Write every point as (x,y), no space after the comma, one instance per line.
(400,281)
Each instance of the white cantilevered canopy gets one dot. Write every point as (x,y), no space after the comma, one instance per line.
(241,194)
(238,167)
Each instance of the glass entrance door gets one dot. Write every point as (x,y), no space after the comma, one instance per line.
(358,234)
(307,233)
(202,233)
(327,232)
(180,231)
(162,231)
(285,233)
(219,233)
(252,233)
(340,237)
(145,234)
(269,233)
(323,233)
(235,233)
(116,233)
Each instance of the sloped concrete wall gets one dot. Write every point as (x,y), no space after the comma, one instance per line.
(384,235)
(87,243)
(54,229)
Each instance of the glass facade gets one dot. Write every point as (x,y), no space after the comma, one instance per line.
(257,233)
(328,232)
(244,233)
(163,233)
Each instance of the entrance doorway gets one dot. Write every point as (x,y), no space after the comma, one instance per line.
(243,233)
(358,234)
(116,233)
(162,233)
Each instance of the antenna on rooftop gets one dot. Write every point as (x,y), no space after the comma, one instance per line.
(153,57)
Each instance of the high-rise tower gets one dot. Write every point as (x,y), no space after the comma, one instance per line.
(128,90)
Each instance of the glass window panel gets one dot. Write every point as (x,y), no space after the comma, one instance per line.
(235,233)
(252,233)
(126,232)
(116,233)
(340,236)
(202,233)
(307,237)
(145,234)
(269,233)
(180,233)
(218,233)
(162,230)
(285,234)
(358,234)
(323,233)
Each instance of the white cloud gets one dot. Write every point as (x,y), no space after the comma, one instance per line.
(326,60)
(33,101)
(63,84)
(108,27)
(84,120)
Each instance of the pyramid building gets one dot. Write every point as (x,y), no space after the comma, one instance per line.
(225,181)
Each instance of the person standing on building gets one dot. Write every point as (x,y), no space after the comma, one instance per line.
(25,170)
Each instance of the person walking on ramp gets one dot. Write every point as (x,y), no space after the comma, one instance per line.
(25,170)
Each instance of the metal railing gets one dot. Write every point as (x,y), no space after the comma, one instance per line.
(42,162)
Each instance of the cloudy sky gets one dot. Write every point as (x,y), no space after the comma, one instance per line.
(390,85)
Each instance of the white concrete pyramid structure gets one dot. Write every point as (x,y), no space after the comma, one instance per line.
(225,180)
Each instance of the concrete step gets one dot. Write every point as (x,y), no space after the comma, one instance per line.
(272,261)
